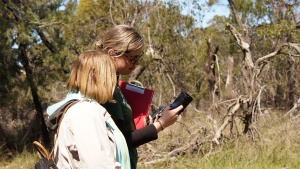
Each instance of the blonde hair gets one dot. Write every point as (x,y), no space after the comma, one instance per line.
(94,75)
(121,38)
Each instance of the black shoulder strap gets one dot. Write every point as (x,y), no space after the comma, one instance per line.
(60,120)
(40,148)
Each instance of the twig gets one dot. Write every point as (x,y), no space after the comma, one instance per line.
(297,104)
(2,145)
(159,160)
(187,129)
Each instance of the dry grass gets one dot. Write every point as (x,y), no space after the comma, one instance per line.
(277,147)
(25,160)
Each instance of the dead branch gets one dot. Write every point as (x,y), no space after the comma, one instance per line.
(190,147)
(296,105)
(136,72)
(185,148)
(185,126)
(151,148)
(219,78)
(159,161)
(258,99)
(211,71)
(244,45)
(233,108)
(238,37)
(110,12)
(229,81)
(235,13)
(276,52)
(296,117)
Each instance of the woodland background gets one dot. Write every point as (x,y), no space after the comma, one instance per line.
(239,68)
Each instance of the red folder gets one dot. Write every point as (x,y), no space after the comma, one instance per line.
(139,99)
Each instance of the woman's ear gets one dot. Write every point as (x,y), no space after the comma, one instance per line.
(111,52)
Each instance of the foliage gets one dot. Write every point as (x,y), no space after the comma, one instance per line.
(54,33)
(32,29)
(270,23)
(170,52)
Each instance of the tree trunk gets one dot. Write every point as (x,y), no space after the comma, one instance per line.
(210,72)
(136,73)
(290,84)
(198,87)
(228,86)
(39,121)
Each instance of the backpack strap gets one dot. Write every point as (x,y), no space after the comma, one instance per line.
(40,148)
(60,120)
(52,113)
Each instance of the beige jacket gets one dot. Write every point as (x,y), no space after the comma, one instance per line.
(84,140)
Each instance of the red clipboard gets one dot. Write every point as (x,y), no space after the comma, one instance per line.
(139,99)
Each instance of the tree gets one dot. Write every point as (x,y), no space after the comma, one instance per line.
(167,54)
(247,104)
(32,49)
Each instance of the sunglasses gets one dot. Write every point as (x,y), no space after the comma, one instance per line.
(134,59)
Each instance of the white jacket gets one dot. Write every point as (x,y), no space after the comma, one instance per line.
(83,140)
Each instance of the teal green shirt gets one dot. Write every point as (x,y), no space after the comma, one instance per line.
(121,110)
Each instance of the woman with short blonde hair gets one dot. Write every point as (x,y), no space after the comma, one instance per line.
(87,136)
(94,75)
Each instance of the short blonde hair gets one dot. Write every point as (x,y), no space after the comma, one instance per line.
(94,75)
(121,38)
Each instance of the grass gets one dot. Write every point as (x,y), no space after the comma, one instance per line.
(24,160)
(278,147)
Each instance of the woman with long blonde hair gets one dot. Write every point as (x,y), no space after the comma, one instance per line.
(125,45)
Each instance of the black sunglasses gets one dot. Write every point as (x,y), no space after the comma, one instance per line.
(134,59)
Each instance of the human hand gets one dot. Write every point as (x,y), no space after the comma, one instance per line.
(150,120)
(169,117)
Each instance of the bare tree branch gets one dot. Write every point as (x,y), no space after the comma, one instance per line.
(296,105)
(110,13)
(235,13)
(244,45)
(277,51)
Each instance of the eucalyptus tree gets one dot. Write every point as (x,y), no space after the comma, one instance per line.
(168,62)
(259,49)
(10,69)
(282,18)
(171,57)
(272,23)
(31,44)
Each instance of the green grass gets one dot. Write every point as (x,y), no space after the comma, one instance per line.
(277,148)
